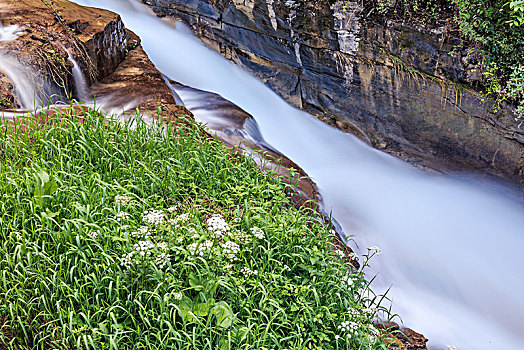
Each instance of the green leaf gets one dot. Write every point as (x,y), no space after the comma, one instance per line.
(201,309)
(224,314)
(195,282)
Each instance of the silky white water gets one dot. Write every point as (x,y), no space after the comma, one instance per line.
(10,32)
(25,89)
(453,251)
(82,89)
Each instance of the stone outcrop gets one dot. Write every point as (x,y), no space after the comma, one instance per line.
(49,29)
(397,87)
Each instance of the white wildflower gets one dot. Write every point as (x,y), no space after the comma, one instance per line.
(182,218)
(340,253)
(172,209)
(247,272)
(162,246)
(179,239)
(154,217)
(217,225)
(348,326)
(353,256)
(121,216)
(346,281)
(162,260)
(124,227)
(122,200)
(94,235)
(230,249)
(257,232)
(177,296)
(127,260)
(375,250)
(141,232)
(199,249)
(144,248)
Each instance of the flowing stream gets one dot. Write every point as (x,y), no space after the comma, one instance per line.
(452,249)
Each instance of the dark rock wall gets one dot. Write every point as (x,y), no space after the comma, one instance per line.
(399,88)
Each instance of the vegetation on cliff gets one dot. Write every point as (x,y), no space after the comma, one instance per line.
(493,33)
(155,236)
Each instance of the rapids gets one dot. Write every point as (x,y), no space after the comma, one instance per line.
(452,247)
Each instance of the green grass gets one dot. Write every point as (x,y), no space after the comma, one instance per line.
(65,280)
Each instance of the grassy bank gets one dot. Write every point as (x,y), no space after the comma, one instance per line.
(129,236)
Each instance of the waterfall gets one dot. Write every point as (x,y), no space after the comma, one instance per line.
(82,89)
(452,248)
(25,89)
(9,33)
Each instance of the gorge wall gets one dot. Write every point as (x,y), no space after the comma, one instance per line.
(397,87)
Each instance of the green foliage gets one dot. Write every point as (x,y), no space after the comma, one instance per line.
(493,30)
(108,241)
(517,12)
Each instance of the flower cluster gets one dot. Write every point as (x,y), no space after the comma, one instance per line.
(257,232)
(144,248)
(218,226)
(141,232)
(122,200)
(199,248)
(348,326)
(162,260)
(94,235)
(231,249)
(162,246)
(121,216)
(154,217)
(241,237)
(127,260)
(179,219)
(375,250)
(177,296)
(340,253)
(172,209)
(247,272)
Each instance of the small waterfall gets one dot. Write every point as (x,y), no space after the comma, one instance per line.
(452,248)
(83,93)
(9,33)
(25,89)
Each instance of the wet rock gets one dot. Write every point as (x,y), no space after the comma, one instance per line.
(7,99)
(96,39)
(401,337)
(396,86)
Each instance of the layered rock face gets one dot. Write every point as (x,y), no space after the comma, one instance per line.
(397,87)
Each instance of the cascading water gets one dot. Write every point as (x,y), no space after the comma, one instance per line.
(30,90)
(9,33)
(25,89)
(452,249)
(83,93)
